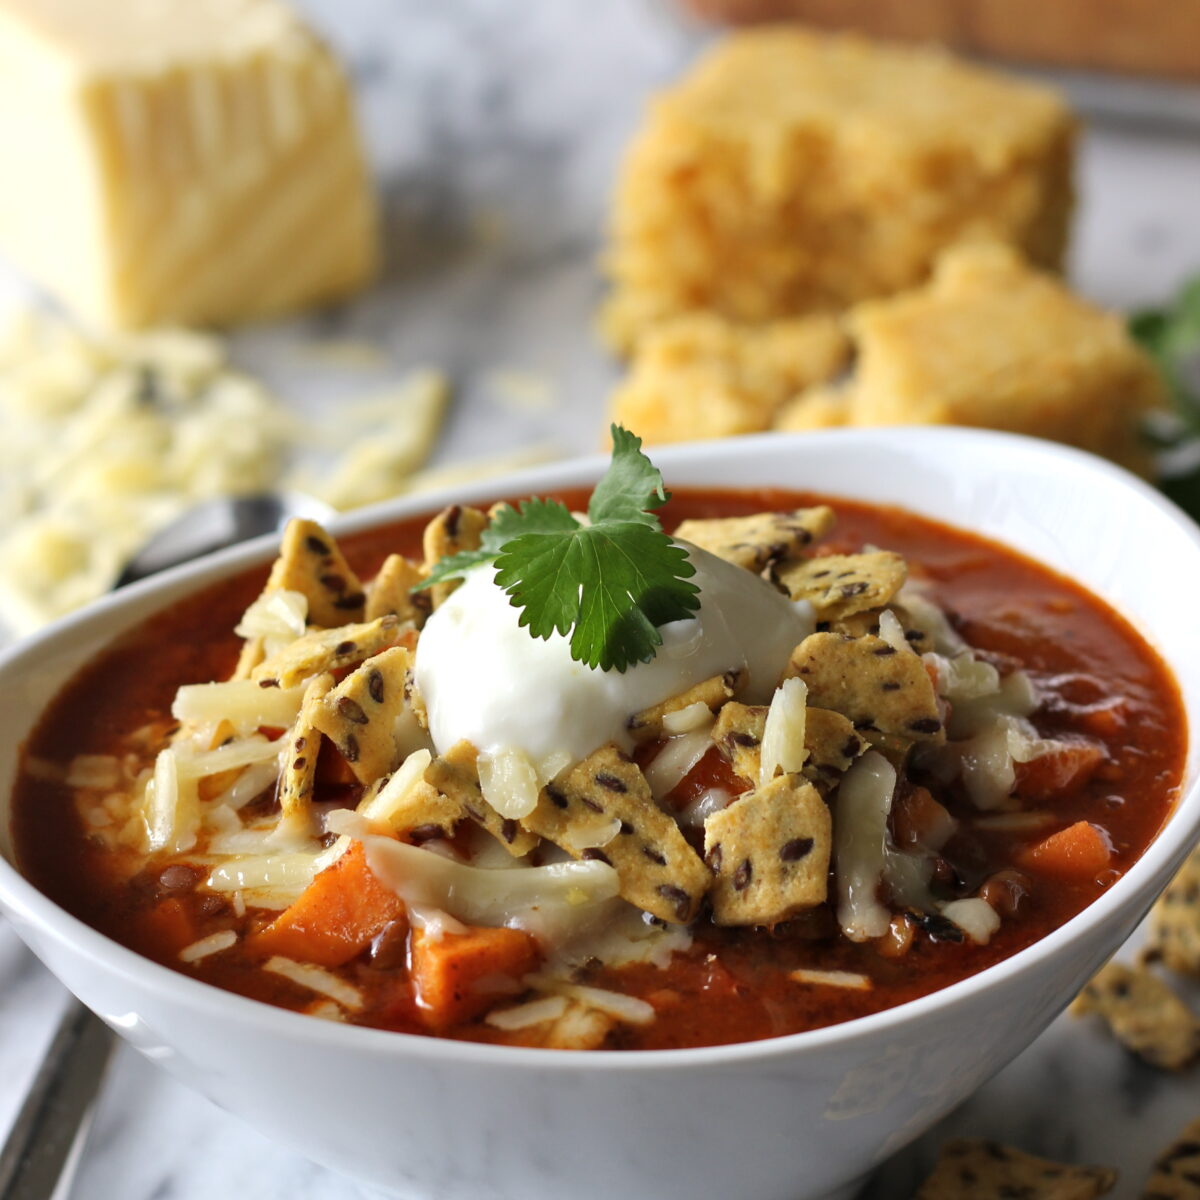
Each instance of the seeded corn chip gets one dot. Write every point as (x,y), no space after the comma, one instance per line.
(1176,1174)
(984,1170)
(359,716)
(871,683)
(761,541)
(648,724)
(657,869)
(1175,921)
(738,733)
(300,761)
(391,592)
(453,530)
(769,851)
(1145,1015)
(310,562)
(422,814)
(456,775)
(326,650)
(840,585)
(832,744)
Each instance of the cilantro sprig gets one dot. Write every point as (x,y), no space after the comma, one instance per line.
(610,582)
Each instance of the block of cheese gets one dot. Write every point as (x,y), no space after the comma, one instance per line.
(187,161)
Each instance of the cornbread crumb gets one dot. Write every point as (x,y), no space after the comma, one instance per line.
(791,173)
(991,342)
(701,376)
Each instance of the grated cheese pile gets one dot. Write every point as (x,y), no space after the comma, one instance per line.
(109,437)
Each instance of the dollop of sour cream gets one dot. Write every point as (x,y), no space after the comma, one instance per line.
(486,680)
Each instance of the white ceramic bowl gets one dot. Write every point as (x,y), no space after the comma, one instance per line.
(796,1117)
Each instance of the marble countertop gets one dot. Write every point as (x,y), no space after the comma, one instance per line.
(495,129)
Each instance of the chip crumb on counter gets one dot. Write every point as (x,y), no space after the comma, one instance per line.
(1174,934)
(978,1169)
(1176,1172)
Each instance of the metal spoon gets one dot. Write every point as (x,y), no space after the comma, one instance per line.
(47,1135)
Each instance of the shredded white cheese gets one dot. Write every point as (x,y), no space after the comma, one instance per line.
(509,782)
(688,719)
(382,807)
(676,758)
(241,702)
(93,771)
(841,979)
(864,800)
(783,746)
(277,613)
(206,946)
(524,1016)
(975,917)
(316,979)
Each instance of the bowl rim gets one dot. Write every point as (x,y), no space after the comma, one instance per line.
(1178,833)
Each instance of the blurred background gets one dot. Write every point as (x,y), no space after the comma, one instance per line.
(450,326)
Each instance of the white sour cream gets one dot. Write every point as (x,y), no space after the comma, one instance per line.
(485,679)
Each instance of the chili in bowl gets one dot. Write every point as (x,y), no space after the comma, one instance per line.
(842,822)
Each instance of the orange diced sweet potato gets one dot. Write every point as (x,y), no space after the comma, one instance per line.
(1062,773)
(460,975)
(1079,851)
(335,917)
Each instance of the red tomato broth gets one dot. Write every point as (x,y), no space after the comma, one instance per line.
(732,985)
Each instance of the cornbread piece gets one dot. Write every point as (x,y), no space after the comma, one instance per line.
(840,585)
(299,769)
(993,343)
(1175,921)
(761,541)
(657,869)
(456,775)
(325,650)
(359,716)
(792,173)
(712,693)
(769,851)
(701,376)
(985,1170)
(1144,1014)
(311,563)
(1176,1174)
(872,684)
(187,161)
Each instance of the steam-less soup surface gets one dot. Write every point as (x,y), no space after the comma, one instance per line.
(849,783)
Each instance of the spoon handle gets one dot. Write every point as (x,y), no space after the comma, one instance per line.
(47,1129)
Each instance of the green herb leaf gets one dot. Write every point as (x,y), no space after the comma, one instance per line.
(631,487)
(609,584)
(533,516)
(1171,336)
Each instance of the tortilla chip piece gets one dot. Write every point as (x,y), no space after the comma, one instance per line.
(769,851)
(832,744)
(299,771)
(840,585)
(456,775)
(391,592)
(453,530)
(830,739)
(1144,1014)
(1176,1174)
(648,724)
(656,868)
(1175,921)
(868,681)
(985,1170)
(738,734)
(761,541)
(359,716)
(310,562)
(423,814)
(253,651)
(326,650)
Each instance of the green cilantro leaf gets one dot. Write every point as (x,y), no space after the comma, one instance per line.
(609,584)
(533,516)
(631,486)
